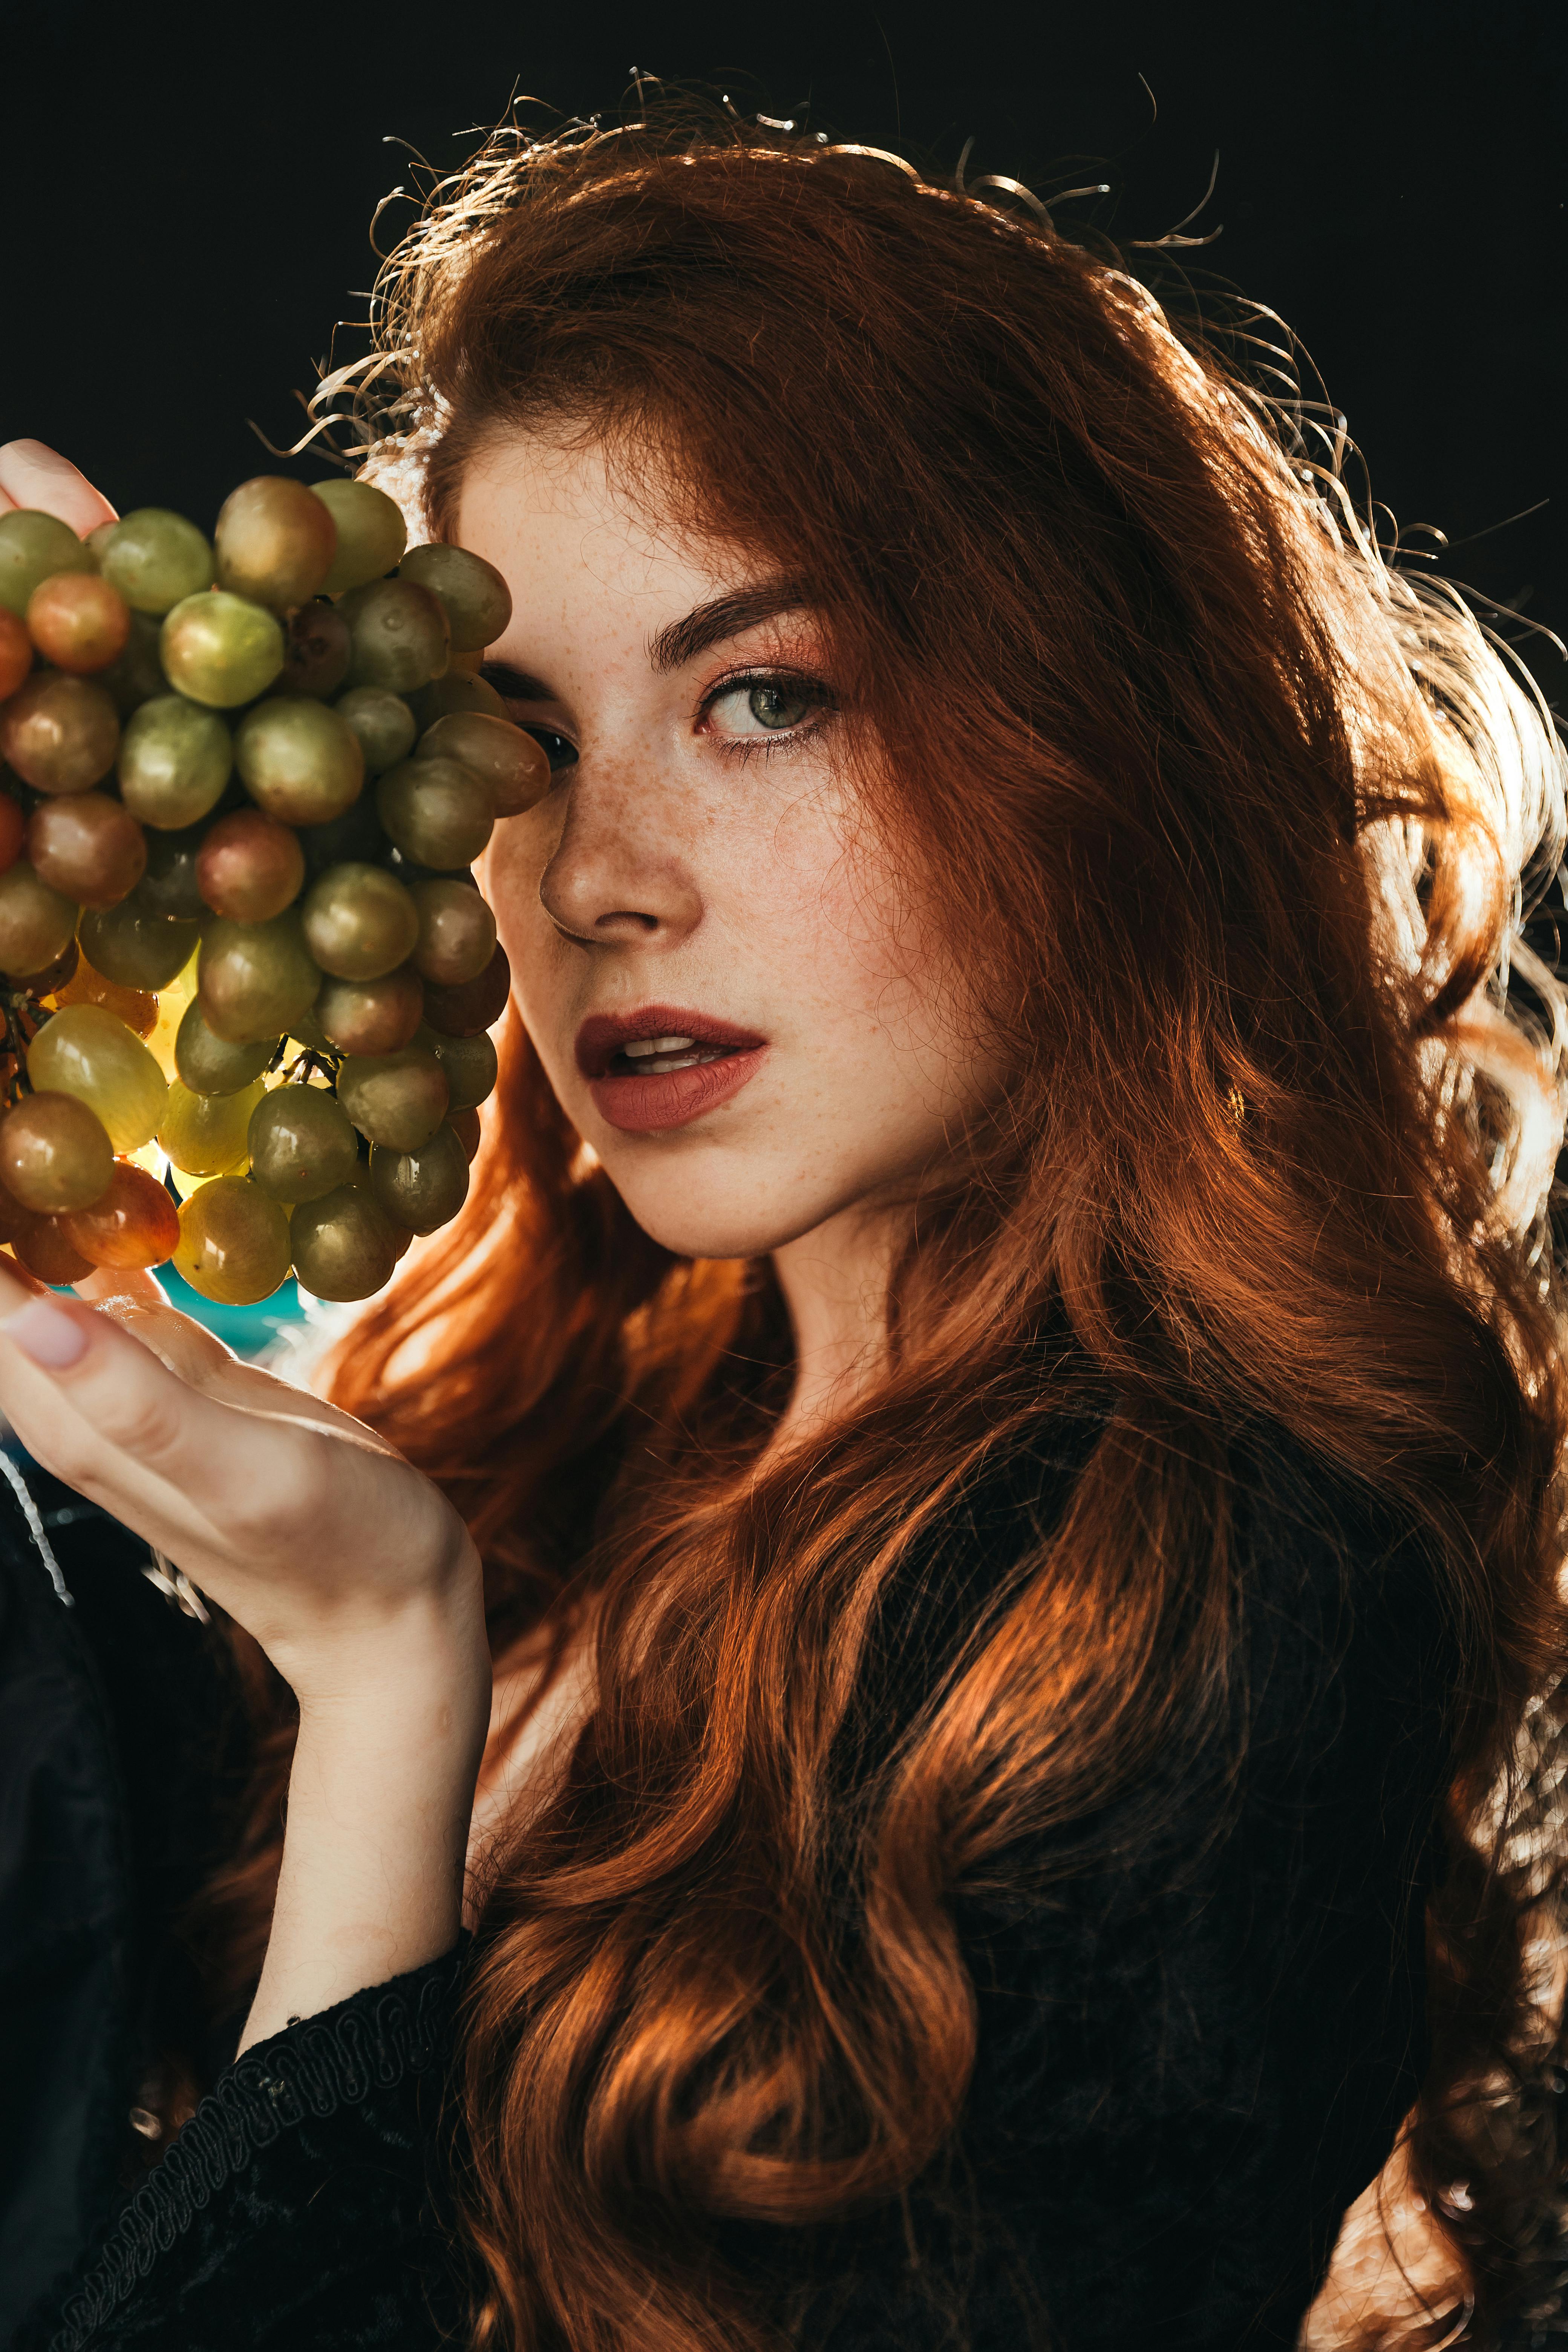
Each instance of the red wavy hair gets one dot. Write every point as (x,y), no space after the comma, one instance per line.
(1230,819)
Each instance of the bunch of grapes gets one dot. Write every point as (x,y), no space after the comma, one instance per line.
(246,977)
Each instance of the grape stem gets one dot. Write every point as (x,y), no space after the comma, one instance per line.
(25,1016)
(306,1062)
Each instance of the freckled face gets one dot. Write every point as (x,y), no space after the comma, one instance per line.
(733,1002)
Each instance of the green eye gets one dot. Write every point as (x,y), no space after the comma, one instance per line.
(774,704)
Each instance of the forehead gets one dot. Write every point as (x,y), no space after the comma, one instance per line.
(570,524)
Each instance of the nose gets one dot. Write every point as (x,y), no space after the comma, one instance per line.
(619,875)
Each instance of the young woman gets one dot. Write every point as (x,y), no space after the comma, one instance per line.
(997,1404)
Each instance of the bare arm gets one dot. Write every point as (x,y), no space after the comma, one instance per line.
(353,1573)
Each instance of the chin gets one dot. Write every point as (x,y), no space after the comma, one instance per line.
(734,1220)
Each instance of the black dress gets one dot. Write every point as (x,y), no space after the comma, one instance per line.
(1189,2064)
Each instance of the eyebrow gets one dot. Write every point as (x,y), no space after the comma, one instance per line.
(514,685)
(725,616)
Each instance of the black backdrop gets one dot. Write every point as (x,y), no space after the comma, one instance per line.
(189,183)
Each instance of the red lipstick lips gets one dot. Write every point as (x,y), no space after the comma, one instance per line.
(662,1066)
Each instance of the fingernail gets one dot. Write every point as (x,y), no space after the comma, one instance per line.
(48,1336)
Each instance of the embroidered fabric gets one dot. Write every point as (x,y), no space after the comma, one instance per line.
(373,2042)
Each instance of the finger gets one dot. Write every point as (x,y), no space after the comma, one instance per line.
(32,475)
(79,1390)
(137,1304)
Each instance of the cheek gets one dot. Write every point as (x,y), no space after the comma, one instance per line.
(519,852)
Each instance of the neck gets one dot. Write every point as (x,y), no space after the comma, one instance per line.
(835,1282)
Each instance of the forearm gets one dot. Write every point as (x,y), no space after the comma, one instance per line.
(379,1803)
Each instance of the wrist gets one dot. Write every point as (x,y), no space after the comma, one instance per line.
(425,1647)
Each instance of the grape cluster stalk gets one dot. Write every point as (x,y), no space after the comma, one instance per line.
(246,977)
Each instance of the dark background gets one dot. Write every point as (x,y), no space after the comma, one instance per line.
(188,188)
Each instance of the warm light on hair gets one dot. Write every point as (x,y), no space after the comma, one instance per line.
(1241,826)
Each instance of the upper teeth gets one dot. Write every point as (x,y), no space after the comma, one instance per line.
(637,1046)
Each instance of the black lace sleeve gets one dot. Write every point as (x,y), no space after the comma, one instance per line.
(299,2207)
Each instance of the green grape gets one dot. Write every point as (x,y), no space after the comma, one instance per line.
(399,1099)
(55,1154)
(169,887)
(250,868)
(372,533)
(209,1064)
(134,947)
(421,1190)
(220,649)
(469,1065)
(88,1051)
(344,1244)
(275,542)
(59,733)
(371,1016)
(301,1144)
(156,559)
(233,1242)
(175,761)
(299,760)
(99,539)
(400,635)
(513,764)
(36,924)
(436,813)
(360,922)
(88,848)
(476,598)
(32,547)
(457,933)
(255,980)
(317,657)
(138,675)
(384,723)
(460,689)
(207,1135)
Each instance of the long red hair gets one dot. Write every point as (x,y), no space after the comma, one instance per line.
(1229,817)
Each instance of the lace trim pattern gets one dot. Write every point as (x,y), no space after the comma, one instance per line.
(369,2043)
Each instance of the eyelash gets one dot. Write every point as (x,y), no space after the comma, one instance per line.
(742,747)
(746,747)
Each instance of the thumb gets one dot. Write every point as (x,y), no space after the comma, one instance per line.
(32,475)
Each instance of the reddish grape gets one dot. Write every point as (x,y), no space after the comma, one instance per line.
(476,1004)
(318,658)
(137,1007)
(457,933)
(13,829)
(60,733)
(134,1225)
(371,1016)
(16,655)
(465,1126)
(78,622)
(48,1252)
(250,867)
(88,848)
